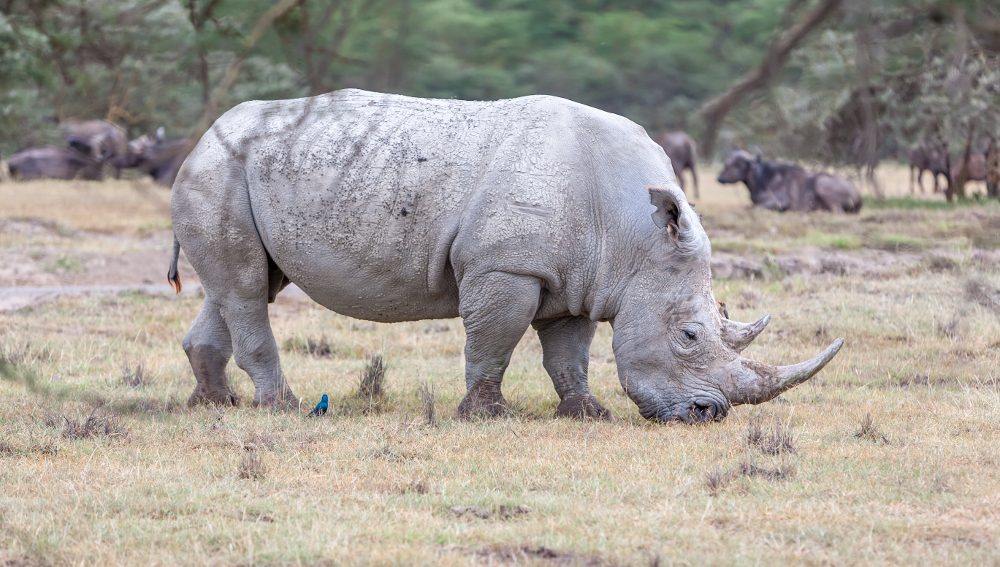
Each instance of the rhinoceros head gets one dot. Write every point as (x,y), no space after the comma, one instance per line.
(678,355)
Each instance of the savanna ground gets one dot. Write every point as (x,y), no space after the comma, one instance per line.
(890,456)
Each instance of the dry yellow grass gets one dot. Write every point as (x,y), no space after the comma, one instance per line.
(201,486)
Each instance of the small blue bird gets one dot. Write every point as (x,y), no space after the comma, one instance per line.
(321,407)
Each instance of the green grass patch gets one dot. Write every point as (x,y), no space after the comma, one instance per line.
(909,203)
(896,243)
(827,240)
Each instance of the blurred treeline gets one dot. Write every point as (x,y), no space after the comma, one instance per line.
(875,72)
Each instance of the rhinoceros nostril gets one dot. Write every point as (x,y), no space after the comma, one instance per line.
(700,413)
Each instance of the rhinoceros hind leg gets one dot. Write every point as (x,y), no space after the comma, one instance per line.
(208,348)
(496,309)
(256,352)
(566,357)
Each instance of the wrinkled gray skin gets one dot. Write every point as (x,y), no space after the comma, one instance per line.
(682,151)
(783,187)
(51,162)
(531,211)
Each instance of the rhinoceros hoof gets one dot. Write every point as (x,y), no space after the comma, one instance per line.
(219,397)
(287,401)
(583,407)
(483,400)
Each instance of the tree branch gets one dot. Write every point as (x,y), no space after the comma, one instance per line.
(233,69)
(716,109)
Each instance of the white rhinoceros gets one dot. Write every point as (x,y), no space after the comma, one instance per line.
(531,211)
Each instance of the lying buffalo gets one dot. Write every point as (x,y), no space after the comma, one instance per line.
(783,187)
(99,139)
(51,162)
(531,211)
(682,151)
(154,157)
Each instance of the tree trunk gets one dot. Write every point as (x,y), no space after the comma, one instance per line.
(963,170)
(993,169)
(950,193)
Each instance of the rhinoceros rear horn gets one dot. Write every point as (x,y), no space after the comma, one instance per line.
(738,336)
(675,214)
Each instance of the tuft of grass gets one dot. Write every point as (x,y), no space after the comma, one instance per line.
(252,467)
(775,441)
(319,348)
(984,294)
(6,449)
(941,264)
(418,487)
(65,263)
(748,467)
(949,329)
(896,243)
(716,480)
(372,384)
(257,440)
(427,401)
(133,375)
(870,430)
(98,424)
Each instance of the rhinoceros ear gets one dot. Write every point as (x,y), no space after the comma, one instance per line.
(675,214)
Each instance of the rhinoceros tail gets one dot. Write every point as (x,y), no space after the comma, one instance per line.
(173,277)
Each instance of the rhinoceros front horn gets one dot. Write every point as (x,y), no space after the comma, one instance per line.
(737,335)
(756,382)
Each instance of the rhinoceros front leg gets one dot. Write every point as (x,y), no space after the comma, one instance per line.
(208,347)
(566,356)
(496,309)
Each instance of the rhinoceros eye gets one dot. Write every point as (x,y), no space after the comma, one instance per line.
(690,335)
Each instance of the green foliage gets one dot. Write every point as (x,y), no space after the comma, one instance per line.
(145,64)
(151,63)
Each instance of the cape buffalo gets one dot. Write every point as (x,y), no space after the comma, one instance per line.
(926,156)
(783,187)
(51,162)
(154,157)
(530,211)
(976,170)
(681,150)
(98,139)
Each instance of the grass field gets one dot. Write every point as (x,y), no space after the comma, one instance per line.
(890,456)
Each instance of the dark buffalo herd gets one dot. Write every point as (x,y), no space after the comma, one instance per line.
(92,144)
(785,187)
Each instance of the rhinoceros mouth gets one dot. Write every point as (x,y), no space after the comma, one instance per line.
(697,411)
